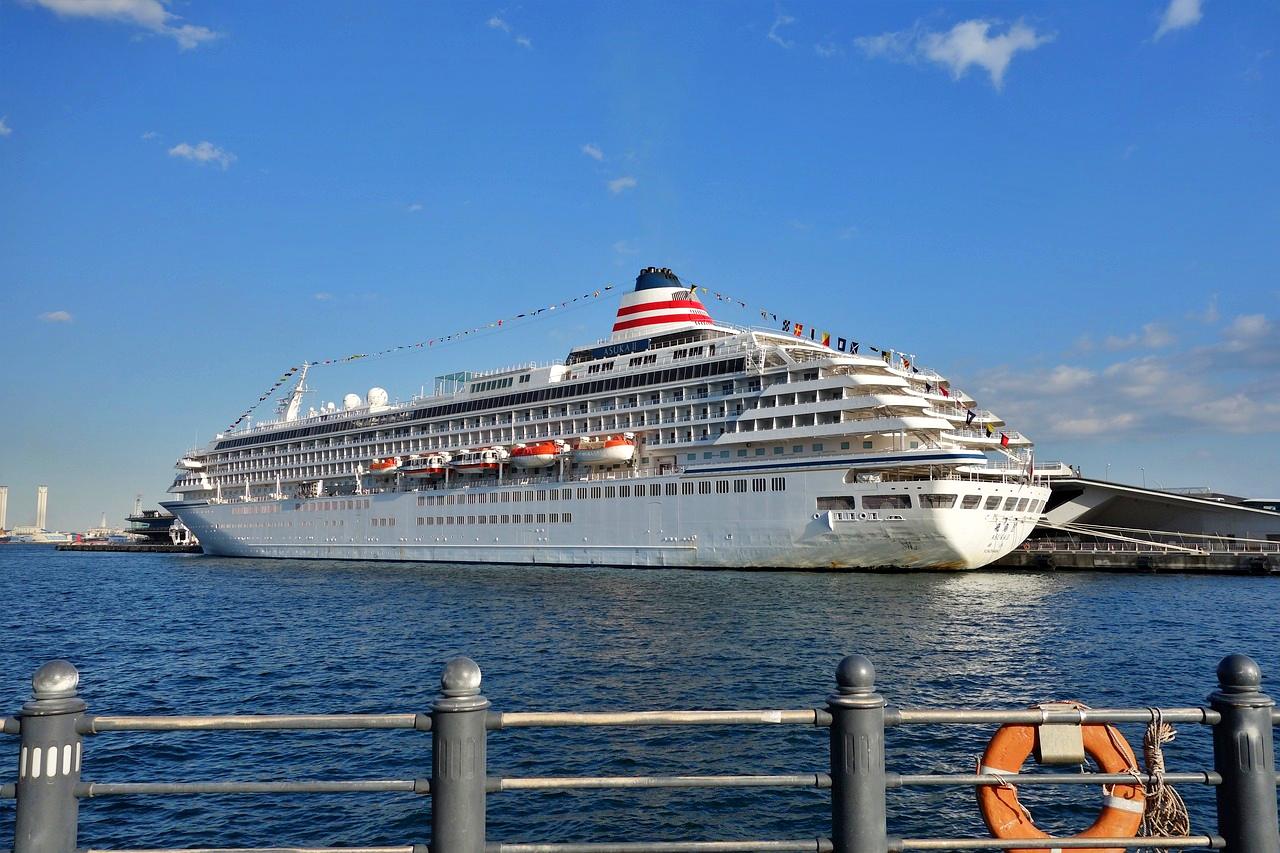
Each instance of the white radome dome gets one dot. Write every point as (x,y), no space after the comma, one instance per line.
(351,401)
(377,396)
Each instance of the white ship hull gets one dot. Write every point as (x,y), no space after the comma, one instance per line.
(751,526)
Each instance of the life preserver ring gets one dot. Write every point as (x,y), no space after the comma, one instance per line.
(1122,804)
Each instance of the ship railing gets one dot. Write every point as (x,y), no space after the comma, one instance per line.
(855,724)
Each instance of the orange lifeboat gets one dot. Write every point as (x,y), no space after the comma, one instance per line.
(430,466)
(487,460)
(1122,804)
(384,467)
(542,454)
(609,450)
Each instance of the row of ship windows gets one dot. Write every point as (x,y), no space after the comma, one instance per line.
(652,490)
(930,501)
(528,518)
(778,451)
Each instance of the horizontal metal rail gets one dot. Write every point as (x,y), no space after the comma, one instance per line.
(902,780)
(551,783)
(103,789)
(1167,842)
(254,722)
(802,845)
(403,848)
(526,719)
(899,716)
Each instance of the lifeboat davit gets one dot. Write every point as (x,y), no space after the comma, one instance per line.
(609,450)
(483,461)
(428,467)
(384,467)
(540,455)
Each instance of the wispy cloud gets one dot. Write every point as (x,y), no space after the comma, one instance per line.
(322,296)
(502,25)
(56,317)
(618,185)
(827,49)
(5,130)
(593,151)
(202,153)
(416,207)
(1230,384)
(967,44)
(150,134)
(779,22)
(150,15)
(1152,336)
(1178,15)
(622,247)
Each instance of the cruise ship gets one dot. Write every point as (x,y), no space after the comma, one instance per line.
(678,441)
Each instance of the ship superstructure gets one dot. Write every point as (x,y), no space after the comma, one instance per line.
(678,441)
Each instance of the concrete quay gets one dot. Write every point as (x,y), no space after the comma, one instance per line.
(1086,557)
(133,549)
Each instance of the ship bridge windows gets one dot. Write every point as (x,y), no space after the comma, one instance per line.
(993,501)
(836,503)
(938,501)
(971,501)
(1010,504)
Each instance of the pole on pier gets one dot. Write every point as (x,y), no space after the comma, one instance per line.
(858,821)
(458,761)
(1244,755)
(49,762)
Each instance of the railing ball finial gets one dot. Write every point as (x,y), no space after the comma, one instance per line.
(856,675)
(1239,674)
(461,678)
(57,679)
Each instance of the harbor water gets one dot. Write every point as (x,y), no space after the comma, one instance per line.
(165,634)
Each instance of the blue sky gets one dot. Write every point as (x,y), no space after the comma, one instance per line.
(1070,208)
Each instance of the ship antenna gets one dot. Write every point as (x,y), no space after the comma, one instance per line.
(291,405)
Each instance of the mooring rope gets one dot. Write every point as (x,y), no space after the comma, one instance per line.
(1166,812)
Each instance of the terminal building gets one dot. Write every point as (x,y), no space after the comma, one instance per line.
(1104,525)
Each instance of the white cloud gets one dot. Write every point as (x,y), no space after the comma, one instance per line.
(56,317)
(416,207)
(593,151)
(151,15)
(622,247)
(203,152)
(150,134)
(5,130)
(322,296)
(1248,326)
(618,185)
(778,23)
(848,232)
(1153,336)
(501,24)
(1179,15)
(967,44)
(827,49)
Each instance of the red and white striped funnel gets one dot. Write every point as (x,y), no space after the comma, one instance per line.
(659,304)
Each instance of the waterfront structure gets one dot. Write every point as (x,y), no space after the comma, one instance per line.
(42,506)
(860,722)
(686,442)
(4,507)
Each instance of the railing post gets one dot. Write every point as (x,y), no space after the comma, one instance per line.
(458,761)
(1243,753)
(49,762)
(858,823)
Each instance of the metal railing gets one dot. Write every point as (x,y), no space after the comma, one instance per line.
(53,724)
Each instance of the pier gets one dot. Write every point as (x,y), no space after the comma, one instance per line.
(851,729)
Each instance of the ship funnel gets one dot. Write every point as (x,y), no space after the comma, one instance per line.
(659,304)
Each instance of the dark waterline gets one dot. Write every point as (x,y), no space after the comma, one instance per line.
(161,634)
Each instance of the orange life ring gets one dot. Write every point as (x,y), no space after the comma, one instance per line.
(1122,804)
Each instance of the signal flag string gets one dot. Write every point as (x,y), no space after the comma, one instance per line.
(796,328)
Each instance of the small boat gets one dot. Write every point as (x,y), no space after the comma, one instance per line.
(541,454)
(486,460)
(608,450)
(429,466)
(384,467)
(186,463)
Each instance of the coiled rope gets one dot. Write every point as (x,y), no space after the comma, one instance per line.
(1166,812)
